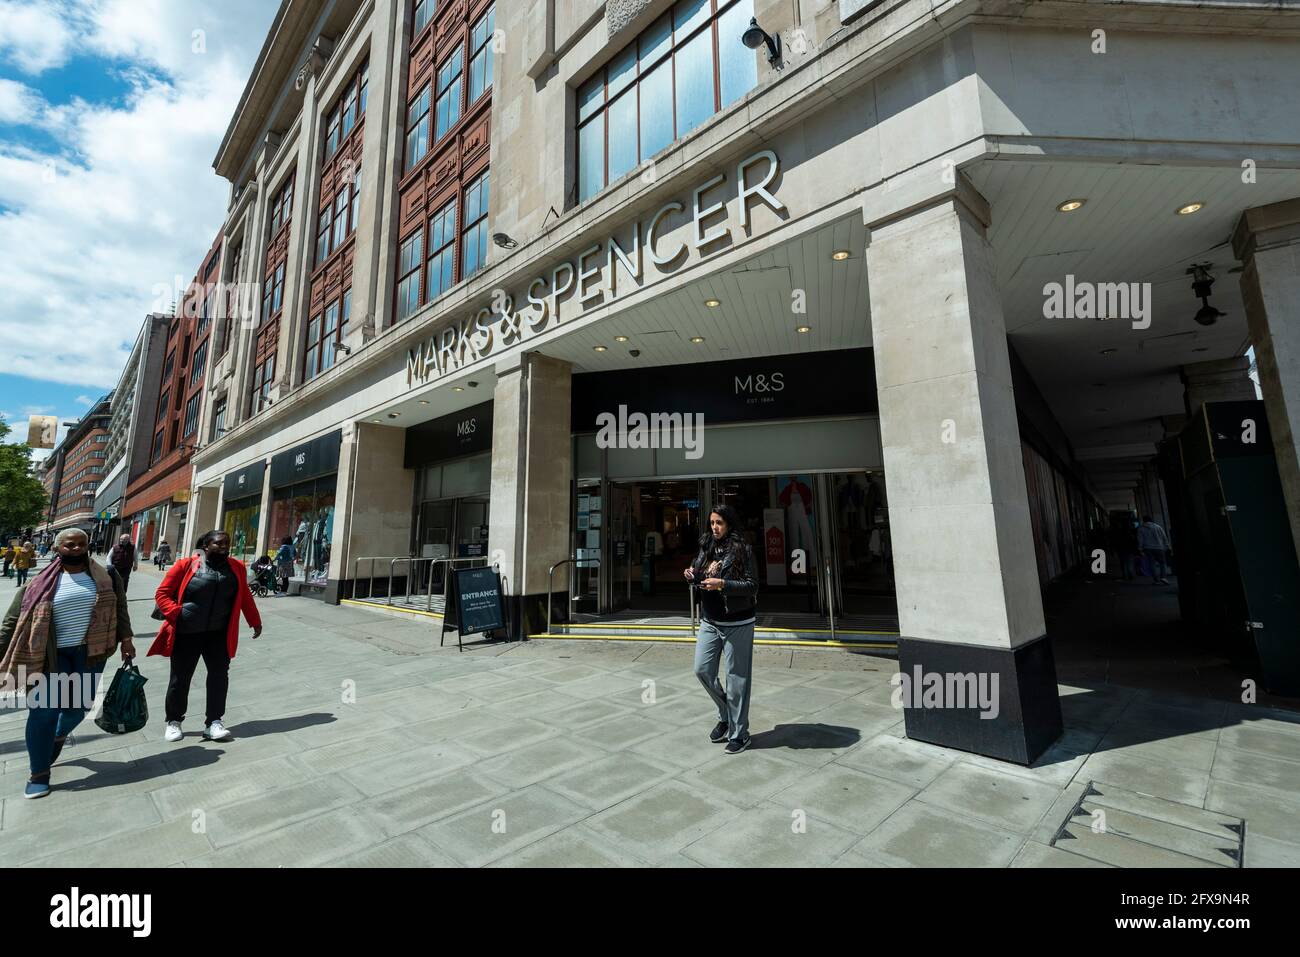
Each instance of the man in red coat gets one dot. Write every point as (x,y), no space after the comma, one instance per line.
(201,599)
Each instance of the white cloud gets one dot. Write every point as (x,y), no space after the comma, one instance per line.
(37,37)
(130,201)
(84,400)
(19,103)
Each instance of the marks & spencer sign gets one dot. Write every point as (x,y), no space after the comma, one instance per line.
(605,270)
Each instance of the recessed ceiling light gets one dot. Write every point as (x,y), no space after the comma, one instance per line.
(377,421)
(1109,352)
(600,348)
(1070,205)
(713,303)
(458,388)
(1190,208)
(620,338)
(424,402)
(697,339)
(803,328)
(393,415)
(840,255)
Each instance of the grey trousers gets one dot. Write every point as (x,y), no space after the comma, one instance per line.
(737,642)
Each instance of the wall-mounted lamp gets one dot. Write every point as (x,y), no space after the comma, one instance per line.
(756,35)
(1202,282)
(504,241)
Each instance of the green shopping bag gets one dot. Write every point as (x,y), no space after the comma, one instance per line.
(125,709)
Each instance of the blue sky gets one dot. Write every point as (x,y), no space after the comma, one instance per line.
(110,114)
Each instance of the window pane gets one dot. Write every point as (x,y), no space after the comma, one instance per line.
(310,368)
(365,82)
(591,96)
(622,135)
(656,110)
(331,319)
(622,71)
(690,15)
(656,40)
(347,308)
(340,218)
(591,158)
(411,251)
(694,82)
(738,68)
(423,10)
(356,200)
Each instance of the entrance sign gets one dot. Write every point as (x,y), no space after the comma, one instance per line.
(592,278)
(477,592)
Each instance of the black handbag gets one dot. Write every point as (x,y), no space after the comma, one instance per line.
(125,709)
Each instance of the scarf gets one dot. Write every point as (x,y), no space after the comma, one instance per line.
(727,553)
(29,646)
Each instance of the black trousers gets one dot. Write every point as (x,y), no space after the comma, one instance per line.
(188,648)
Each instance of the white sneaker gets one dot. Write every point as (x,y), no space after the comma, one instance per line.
(216,731)
(173,732)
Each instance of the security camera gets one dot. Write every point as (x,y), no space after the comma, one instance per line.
(634,352)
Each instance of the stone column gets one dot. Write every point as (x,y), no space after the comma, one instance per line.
(1267,241)
(373,503)
(204,504)
(970,609)
(532,469)
(1219,380)
(264,520)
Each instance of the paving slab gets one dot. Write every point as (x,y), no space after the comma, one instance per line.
(1261,771)
(656,824)
(157,845)
(482,834)
(745,779)
(393,771)
(532,763)
(309,843)
(1147,776)
(574,846)
(909,762)
(405,850)
(1006,800)
(1034,854)
(1119,851)
(771,836)
(412,807)
(271,812)
(920,835)
(851,799)
(1268,813)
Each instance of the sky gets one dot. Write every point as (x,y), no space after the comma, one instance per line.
(111,112)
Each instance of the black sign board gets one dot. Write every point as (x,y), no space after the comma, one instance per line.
(318,457)
(477,594)
(451,436)
(247,481)
(804,385)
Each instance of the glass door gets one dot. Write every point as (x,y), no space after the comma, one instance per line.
(434,540)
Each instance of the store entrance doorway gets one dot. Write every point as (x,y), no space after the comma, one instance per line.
(449,528)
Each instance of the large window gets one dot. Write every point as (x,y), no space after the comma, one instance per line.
(683,68)
(280,206)
(192,415)
(474,242)
(200,360)
(167,366)
(324,332)
(447,107)
(273,293)
(347,111)
(408,271)
(480,55)
(442,251)
(162,404)
(218,419)
(263,376)
(417,128)
(423,14)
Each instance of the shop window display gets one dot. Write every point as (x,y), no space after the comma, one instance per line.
(240,523)
(304,514)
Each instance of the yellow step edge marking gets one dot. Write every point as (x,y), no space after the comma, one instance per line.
(784,642)
(762,628)
(379,607)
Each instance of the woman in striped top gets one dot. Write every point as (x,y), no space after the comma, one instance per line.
(62,627)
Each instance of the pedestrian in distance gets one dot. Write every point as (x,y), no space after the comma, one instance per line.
(201,599)
(284,563)
(9,552)
(724,574)
(122,558)
(24,562)
(162,557)
(63,626)
(1154,543)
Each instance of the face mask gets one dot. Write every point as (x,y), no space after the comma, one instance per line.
(78,562)
(217,558)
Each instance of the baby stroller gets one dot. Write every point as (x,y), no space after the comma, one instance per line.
(264,582)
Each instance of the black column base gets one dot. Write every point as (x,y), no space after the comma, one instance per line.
(527,613)
(1027,703)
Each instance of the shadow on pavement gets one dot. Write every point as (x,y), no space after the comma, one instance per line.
(807,737)
(113,773)
(251,729)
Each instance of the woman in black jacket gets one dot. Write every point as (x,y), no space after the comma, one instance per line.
(723,573)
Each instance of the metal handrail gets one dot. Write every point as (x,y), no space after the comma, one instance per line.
(356,573)
(550,588)
(830,595)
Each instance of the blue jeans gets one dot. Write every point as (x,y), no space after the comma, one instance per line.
(52,718)
(22,577)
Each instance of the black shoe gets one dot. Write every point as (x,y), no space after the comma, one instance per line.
(740,744)
(719,732)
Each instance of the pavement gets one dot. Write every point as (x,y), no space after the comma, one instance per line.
(359,742)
